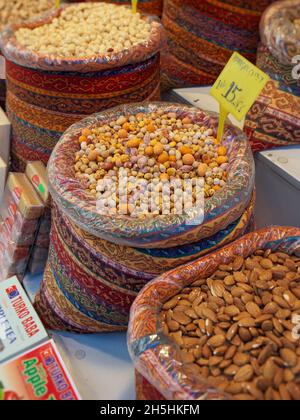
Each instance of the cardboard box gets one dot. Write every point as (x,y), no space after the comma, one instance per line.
(19,213)
(3,173)
(36,173)
(39,374)
(27,200)
(20,326)
(5,129)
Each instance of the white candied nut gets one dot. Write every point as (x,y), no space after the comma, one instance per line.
(92,28)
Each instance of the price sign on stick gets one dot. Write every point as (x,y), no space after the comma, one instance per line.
(237,88)
(134,5)
(57,4)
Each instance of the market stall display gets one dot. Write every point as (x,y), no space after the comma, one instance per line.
(273,120)
(50,88)
(202,35)
(108,259)
(222,327)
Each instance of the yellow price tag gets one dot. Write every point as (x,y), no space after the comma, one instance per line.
(134,5)
(57,4)
(237,88)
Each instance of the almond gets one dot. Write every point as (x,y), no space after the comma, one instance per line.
(240,277)
(247,322)
(241,359)
(266,263)
(244,374)
(209,314)
(289,357)
(232,311)
(293,390)
(171,304)
(253,309)
(269,369)
(238,263)
(232,332)
(216,341)
(181,318)
(284,393)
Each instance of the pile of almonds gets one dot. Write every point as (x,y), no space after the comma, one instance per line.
(238,328)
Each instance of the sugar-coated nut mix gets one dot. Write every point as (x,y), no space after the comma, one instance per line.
(237,329)
(14,11)
(87,29)
(156,147)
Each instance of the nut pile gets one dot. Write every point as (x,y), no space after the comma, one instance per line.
(237,329)
(14,11)
(155,147)
(87,29)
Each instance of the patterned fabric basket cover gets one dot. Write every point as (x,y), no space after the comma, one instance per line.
(48,94)
(224,208)
(90,284)
(274,119)
(202,36)
(152,7)
(155,356)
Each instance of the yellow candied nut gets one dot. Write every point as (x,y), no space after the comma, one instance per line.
(221,159)
(93,156)
(86,132)
(163,158)
(188,159)
(164,177)
(123,134)
(171,171)
(202,169)
(185,150)
(133,143)
(149,151)
(150,128)
(222,151)
(82,139)
(158,149)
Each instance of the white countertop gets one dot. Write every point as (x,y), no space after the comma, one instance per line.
(285,161)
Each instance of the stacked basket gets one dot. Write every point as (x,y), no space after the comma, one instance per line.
(202,36)
(273,120)
(98,264)
(161,372)
(47,94)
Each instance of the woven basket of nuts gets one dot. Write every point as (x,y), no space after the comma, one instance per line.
(73,62)
(157,143)
(226,326)
(279,30)
(266,125)
(83,269)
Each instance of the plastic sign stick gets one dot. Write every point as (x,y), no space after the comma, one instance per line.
(222,120)
(237,88)
(134,5)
